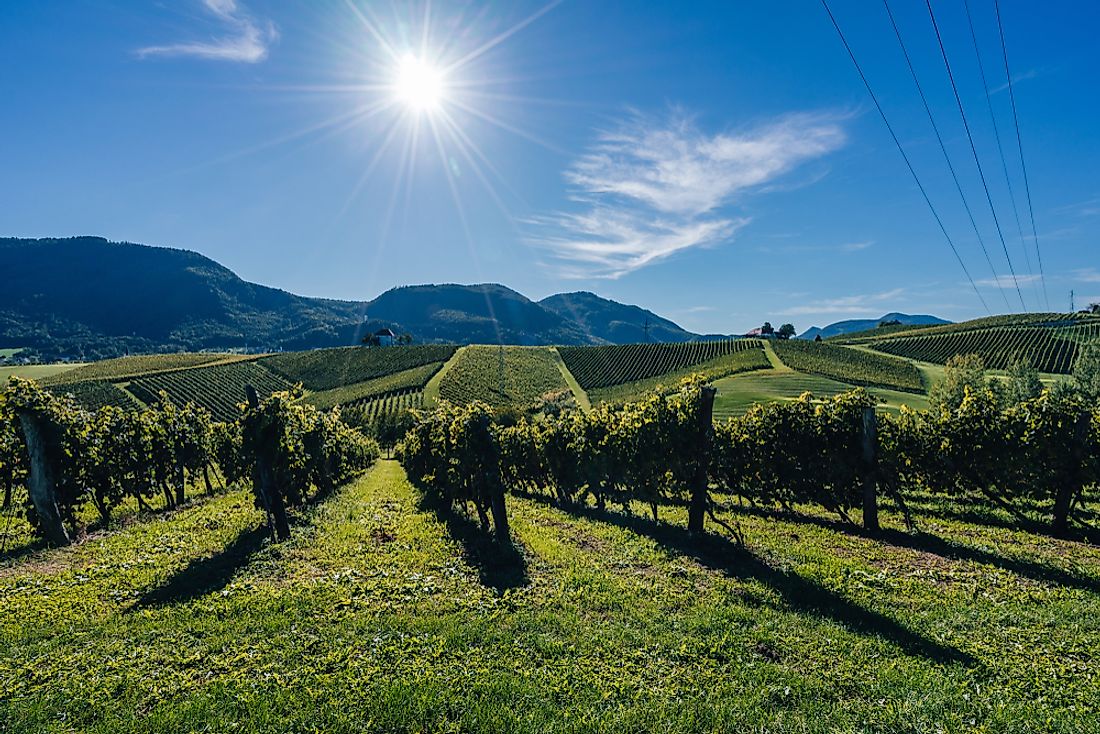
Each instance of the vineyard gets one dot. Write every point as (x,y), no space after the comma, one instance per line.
(326,369)
(853,366)
(218,389)
(95,395)
(406,381)
(126,368)
(741,361)
(1037,320)
(1048,349)
(529,374)
(605,366)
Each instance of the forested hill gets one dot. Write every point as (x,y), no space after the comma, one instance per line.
(615,322)
(85,297)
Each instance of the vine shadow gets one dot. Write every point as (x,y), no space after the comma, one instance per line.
(935,544)
(800,594)
(206,575)
(500,566)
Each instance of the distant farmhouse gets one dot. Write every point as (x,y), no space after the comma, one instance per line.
(384,338)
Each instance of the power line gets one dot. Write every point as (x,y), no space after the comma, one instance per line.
(997,137)
(1020,145)
(905,157)
(943,148)
(974,151)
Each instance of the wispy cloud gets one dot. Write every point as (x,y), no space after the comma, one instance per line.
(1016,79)
(247,39)
(864,304)
(843,247)
(649,188)
(1087,275)
(1007,282)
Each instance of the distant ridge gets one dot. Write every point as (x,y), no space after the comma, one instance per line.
(88,298)
(853,325)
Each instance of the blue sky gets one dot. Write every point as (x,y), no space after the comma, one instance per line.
(719,163)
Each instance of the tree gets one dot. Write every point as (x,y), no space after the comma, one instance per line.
(405,338)
(371,340)
(1086,373)
(889,322)
(817,338)
(767,329)
(786,331)
(1023,383)
(963,372)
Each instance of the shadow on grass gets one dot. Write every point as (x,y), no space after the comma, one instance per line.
(929,543)
(206,575)
(500,566)
(799,593)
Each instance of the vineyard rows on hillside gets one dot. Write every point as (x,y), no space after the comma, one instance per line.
(1045,349)
(408,380)
(529,374)
(219,389)
(124,368)
(745,360)
(325,369)
(853,366)
(604,366)
(96,394)
(388,404)
(1036,320)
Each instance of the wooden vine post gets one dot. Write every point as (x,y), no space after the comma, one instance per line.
(1072,481)
(263,479)
(869,441)
(697,506)
(43,455)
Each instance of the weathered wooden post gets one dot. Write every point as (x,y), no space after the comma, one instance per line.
(42,453)
(264,477)
(869,439)
(697,507)
(1071,481)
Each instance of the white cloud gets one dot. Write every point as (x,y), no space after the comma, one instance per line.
(650,188)
(865,304)
(248,40)
(1016,79)
(1087,275)
(1007,282)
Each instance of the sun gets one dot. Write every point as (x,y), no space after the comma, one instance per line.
(419,85)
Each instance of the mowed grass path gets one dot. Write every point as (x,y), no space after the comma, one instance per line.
(382,616)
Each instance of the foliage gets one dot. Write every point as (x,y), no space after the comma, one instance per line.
(218,389)
(97,394)
(786,331)
(406,381)
(326,369)
(529,373)
(605,366)
(854,366)
(963,372)
(1086,373)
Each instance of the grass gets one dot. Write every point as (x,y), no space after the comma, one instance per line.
(36,371)
(738,393)
(380,615)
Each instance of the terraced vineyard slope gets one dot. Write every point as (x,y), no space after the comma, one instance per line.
(745,360)
(604,366)
(529,374)
(219,389)
(406,381)
(853,366)
(325,369)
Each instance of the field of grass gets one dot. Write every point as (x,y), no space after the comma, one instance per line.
(379,615)
(37,371)
(738,393)
(529,373)
(746,360)
(408,380)
(326,369)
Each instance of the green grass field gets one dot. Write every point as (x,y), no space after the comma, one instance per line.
(37,371)
(379,615)
(738,393)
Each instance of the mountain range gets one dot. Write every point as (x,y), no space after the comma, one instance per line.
(853,325)
(86,297)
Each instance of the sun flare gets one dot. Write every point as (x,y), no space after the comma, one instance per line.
(419,85)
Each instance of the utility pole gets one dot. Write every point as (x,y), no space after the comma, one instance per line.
(645,328)
(1072,307)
